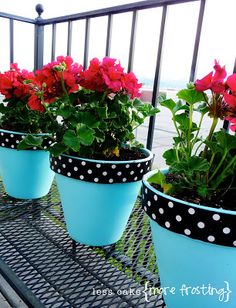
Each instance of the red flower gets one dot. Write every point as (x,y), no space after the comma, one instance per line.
(214,82)
(35,103)
(51,78)
(131,85)
(109,76)
(12,83)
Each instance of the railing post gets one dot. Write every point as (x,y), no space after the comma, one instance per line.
(38,39)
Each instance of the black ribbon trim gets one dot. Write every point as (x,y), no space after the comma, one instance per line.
(206,225)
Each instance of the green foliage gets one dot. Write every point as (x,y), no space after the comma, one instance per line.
(199,166)
(94,124)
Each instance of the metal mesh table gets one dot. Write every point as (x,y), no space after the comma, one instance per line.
(48,269)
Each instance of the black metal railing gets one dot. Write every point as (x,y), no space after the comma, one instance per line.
(134,9)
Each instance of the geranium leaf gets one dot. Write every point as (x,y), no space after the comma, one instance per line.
(85,134)
(191,96)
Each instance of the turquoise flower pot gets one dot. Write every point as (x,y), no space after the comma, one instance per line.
(26,174)
(98,196)
(195,247)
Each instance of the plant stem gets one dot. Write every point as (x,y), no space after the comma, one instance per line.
(219,165)
(222,176)
(212,129)
(189,145)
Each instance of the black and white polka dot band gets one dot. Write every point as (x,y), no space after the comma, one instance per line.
(105,172)
(192,221)
(11,140)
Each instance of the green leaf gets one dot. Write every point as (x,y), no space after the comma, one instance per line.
(190,166)
(30,141)
(58,148)
(85,134)
(191,96)
(71,139)
(169,103)
(170,157)
(226,140)
(158,178)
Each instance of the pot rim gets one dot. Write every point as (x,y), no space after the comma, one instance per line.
(150,156)
(199,206)
(21,133)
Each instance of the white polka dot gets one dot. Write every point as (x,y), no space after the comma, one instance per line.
(187,232)
(90,171)
(141,171)
(59,170)
(34,148)
(81,177)
(119,173)
(124,179)
(83,163)
(170,204)
(178,218)
(146,163)
(149,203)
(145,190)
(148,168)
(55,162)
(167,224)
(135,179)
(7,140)
(50,142)
(161,211)
(11,135)
(138,165)
(226,230)
(154,216)
(155,197)
(216,217)
(111,180)
(145,208)
(68,174)
(98,165)
(2,144)
(191,211)
(96,180)
(127,166)
(113,166)
(45,147)
(63,165)
(22,137)
(17,141)
(234,243)
(2,134)
(52,167)
(132,172)
(70,160)
(211,238)
(59,157)
(76,168)
(12,146)
(201,225)
(104,173)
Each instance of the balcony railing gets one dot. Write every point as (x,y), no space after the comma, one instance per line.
(32,234)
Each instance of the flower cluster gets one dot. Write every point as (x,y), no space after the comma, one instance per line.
(108,76)
(53,80)
(223,102)
(13,83)
(98,107)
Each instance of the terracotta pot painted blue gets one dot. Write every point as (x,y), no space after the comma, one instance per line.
(26,174)
(98,196)
(195,247)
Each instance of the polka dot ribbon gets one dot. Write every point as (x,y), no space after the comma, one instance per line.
(100,171)
(11,140)
(197,223)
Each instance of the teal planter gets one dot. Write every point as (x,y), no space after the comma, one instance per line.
(195,247)
(26,174)
(98,196)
